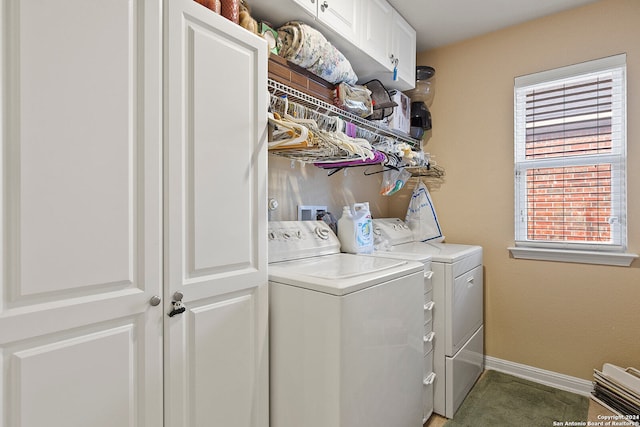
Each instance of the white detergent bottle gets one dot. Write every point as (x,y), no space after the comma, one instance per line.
(346,232)
(355,229)
(363,226)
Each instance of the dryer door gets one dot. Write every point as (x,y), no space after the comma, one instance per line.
(465,300)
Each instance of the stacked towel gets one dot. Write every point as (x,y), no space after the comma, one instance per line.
(308,48)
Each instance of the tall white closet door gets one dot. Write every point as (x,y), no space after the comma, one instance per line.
(216,355)
(80,171)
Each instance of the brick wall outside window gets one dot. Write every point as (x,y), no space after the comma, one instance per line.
(569,203)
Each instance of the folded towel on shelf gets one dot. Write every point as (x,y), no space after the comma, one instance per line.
(307,47)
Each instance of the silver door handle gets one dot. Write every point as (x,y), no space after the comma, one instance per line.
(155,300)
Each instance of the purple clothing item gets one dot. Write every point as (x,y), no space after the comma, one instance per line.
(351,130)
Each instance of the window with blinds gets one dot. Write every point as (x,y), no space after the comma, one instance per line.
(570,157)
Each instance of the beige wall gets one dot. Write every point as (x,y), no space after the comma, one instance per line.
(562,317)
(308,185)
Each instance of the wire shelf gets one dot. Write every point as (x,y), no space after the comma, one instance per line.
(278,89)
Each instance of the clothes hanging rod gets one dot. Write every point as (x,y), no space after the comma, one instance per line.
(313,103)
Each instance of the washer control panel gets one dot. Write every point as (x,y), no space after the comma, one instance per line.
(289,240)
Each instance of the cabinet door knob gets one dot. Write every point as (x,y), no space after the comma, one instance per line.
(155,300)
(324,6)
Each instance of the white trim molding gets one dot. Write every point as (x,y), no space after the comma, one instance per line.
(540,376)
(584,257)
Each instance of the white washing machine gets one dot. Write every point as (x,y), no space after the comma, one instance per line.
(345,333)
(458,346)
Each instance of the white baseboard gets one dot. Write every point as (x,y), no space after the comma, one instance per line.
(549,378)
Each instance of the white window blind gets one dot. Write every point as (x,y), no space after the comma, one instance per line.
(570,157)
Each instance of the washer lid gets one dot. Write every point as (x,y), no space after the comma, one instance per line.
(441,252)
(410,252)
(340,274)
(421,256)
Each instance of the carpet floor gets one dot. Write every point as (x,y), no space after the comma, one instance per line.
(500,399)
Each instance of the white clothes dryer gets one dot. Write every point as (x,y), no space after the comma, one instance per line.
(345,333)
(458,346)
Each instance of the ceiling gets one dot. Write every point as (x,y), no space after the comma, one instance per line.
(441,22)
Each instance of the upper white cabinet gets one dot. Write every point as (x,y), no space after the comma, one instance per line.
(370,33)
(337,20)
(340,16)
(375,33)
(311,6)
(403,49)
(386,37)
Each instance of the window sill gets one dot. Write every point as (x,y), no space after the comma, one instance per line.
(564,255)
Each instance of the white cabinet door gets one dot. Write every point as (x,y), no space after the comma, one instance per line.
(376,27)
(403,46)
(80,223)
(311,6)
(342,16)
(388,41)
(216,355)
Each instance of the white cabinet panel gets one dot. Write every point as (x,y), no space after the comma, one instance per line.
(216,361)
(311,6)
(80,220)
(219,207)
(376,28)
(338,20)
(75,380)
(222,363)
(391,41)
(73,165)
(102,192)
(403,47)
(342,16)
